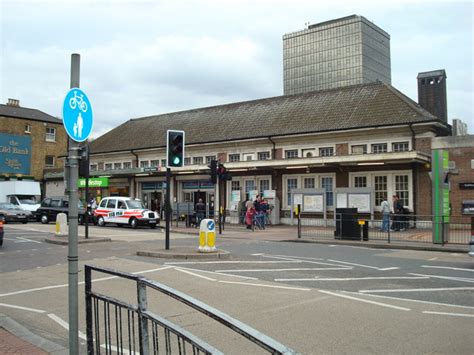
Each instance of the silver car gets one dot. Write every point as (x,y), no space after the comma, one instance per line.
(11,213)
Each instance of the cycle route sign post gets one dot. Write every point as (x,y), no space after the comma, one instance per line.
(78,122)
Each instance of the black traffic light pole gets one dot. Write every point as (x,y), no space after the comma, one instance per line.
(168,208)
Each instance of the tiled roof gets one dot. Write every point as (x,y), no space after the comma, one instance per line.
(27,113)
(366,105)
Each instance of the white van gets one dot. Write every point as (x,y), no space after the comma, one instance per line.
(22,193)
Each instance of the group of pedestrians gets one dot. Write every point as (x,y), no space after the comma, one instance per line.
(398,217)
(255,212)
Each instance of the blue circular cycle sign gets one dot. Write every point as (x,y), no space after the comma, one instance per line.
(210,225)
(77,115)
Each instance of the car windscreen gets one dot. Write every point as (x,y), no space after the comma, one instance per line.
(29,199)
(7,206)
(135,204)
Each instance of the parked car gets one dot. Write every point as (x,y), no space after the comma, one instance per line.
(125,211)
(11,213)
(51,206)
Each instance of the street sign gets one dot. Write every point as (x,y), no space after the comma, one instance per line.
(77,115)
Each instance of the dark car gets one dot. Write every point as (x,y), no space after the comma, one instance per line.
(51,206)
(11,213)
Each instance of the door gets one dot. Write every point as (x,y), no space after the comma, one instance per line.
(111,209)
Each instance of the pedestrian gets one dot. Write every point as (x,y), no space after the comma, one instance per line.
(249,213)
(385,207)
(200,212)
(397,212)
(260,213)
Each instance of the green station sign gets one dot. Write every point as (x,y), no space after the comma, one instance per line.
(93,182)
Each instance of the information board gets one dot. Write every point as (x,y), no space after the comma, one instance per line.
(313,203)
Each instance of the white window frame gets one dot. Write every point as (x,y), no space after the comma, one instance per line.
(198,160)
(144,163)
(245,156)
(357,145)
(292,150)
(400,142)
(119,164)
(378,143)
(28,129)
(390,183)
(300,178)
(127,162)
(264,152)
(110,166)
(49,165)
(50,137)
(305,151)
(93,167)
(233,155)
(326,147)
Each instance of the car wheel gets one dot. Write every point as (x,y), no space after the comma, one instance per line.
(101,221)
(133,223)
(24,222)
(44,219)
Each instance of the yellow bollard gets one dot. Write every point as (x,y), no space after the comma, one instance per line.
(207,236)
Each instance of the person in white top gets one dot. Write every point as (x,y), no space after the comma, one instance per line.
(385,215)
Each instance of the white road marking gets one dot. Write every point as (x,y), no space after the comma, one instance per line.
(410,300)
(80,283)
(291,257)
(277,270)
(418,290)
(28,240)
(262,285)
(22,308)
(65,324)
(257,254)
(232,262)
(194,274)
(366,266)
(216,273)
(450,314)
(447,267)
(356,278)
(365,301)
(432,259)
(463,279)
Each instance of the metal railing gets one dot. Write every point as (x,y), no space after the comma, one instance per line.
(401,228)
(116,326)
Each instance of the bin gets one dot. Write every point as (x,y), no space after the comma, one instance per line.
(346,224)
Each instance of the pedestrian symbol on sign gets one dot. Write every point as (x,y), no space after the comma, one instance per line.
(77,115)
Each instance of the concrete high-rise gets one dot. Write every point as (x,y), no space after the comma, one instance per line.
(341,52)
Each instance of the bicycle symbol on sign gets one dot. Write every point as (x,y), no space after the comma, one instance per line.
(78,101)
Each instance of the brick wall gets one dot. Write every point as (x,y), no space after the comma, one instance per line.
(462,158)
(39,147)
(342,149)
(423,145)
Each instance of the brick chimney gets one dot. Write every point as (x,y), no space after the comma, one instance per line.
(13,102)
(432,93)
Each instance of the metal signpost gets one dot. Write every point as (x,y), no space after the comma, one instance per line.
(77,120)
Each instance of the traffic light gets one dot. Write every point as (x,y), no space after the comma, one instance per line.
(222,172)
(213,167)
(84,162)
(174,148)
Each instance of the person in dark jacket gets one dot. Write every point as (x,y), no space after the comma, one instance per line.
(200,212)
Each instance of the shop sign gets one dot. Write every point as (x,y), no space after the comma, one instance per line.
(15,157)
(198,184)
(94,182)
(153,185)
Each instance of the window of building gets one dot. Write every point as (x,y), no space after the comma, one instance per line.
(291,154)
(93,167)
(154,163)
(209,158)
(249,185)
(163,162)
(108,166)
(401,188)
(308,153)
(127,165)
(27,129)
(379,148)
(235,185)
(144,163)
(198,160)
(327,184)
(309,183)
(234,157)
(359,149)
(187,161)
(49,161)
(247,156)
(400,147)
(50,134)
(360,181)
(117,166)
(264,185)
(291,183)
(326,151)
(380,187)
(263,155)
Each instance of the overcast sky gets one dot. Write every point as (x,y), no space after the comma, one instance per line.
(141,58)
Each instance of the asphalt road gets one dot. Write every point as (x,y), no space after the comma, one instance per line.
(314,298)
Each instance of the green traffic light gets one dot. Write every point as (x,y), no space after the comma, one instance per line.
(176,160)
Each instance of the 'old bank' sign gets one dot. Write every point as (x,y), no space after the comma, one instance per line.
(15,154)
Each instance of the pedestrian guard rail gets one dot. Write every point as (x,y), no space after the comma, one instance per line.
(401,227)
(117,326)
